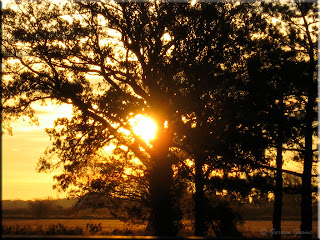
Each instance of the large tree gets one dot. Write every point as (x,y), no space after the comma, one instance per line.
(111,61)
(222,131)
(212,60)
(60,48)
(297,31)
(274,82)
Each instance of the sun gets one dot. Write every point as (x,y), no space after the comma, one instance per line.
(144,127)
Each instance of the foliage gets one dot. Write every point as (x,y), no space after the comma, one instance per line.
(93,228)
(216,77)
(224,221)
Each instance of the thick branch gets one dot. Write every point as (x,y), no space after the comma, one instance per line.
(284,170)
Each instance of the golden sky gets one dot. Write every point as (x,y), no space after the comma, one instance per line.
(20,154)
(22,150)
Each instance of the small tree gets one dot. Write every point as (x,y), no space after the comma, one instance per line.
(41,208)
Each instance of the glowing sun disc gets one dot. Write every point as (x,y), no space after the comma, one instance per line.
(144,127)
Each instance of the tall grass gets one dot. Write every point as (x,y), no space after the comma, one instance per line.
(60,229)
(54,229)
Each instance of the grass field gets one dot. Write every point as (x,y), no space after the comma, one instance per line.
(69,226)
(258,229)
(262,229)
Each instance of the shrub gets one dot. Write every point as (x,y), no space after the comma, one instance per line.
(224,220)
(93,228)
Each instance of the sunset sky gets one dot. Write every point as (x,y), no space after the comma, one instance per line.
(22,150)
(20,154)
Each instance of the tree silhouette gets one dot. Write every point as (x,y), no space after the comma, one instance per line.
(57,55)
(299,21)
(194,69)
(41,208)
(213,51)
(60,48)
(275,110)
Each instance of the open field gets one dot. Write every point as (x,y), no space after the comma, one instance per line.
(97,226)
(106,225)
(260,229)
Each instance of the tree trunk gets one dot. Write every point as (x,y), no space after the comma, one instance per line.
(199,201)
(276,221)
(163,215)
(306,190)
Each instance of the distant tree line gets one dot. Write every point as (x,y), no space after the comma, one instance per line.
(231,85)
(258,209)
(48,208)
(38,208)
